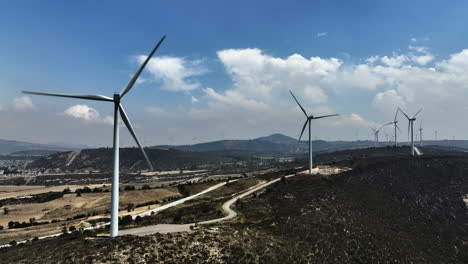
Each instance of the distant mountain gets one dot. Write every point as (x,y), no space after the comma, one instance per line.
(12,146)
(278,138)
(275,143)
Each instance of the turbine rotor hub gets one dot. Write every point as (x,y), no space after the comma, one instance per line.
(116,98)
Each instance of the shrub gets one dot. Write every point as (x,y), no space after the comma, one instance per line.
(13,243)
(72,228)
(138,219)
(66,190)
(130,207)
(1,227)
(11,224)
(6,210)
(126,220)
(129,188)
(146,187)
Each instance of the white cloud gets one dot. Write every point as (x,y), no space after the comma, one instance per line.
(194,99)
(423,60)
(174,73)
(87,114)
(413,40)
(22,104)
(321,34)
(352,120)
(394,61)
(388,100)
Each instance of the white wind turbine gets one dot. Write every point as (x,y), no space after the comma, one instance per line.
(420,134)
(117,109)
(395,124)
(410,126)
(376,133)
(308,121)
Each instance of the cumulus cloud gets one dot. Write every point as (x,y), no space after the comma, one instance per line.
(87,114)
(352,120)
(174,73)
(394,61)
(22,104)
(388,100)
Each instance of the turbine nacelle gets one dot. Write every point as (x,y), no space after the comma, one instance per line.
(117,98)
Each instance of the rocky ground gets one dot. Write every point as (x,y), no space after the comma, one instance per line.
(386,210)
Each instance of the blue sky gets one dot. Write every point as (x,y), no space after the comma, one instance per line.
(92,47)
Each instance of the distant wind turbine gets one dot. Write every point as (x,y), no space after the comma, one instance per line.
(395,124)
(308,121)
(376,133)
(118,108)
(410,125)
(420,134)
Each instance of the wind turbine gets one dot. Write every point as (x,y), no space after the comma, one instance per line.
(118,108)
(308,121)
(410,124)
(376,133)
(395,124)
(420,134)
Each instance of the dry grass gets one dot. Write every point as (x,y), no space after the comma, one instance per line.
(10,191)
(71,205)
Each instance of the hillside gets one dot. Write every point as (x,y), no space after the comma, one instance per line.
(130,158)
(385,210)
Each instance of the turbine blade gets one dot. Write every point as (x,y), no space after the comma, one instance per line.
(303,128)
(417,113)
(385,125)
(318,117)
(403,113)
(137,74)
(305,113)
(398,128)
(396,113)
(132,132)
(77,96)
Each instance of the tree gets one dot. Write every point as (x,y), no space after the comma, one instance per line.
(129,188)
(72,229)
(32,220)
(146,187)
(1,227)
(130,207)
(11,224)
(6,210)
(126,220)
(138,219)
(13,243)
(67,190)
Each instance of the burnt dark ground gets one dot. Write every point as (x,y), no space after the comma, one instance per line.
(386,210)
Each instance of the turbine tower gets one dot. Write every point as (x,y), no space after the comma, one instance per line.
(118,110)
(395,124)
(308,121)
(420,134)
(410,125)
